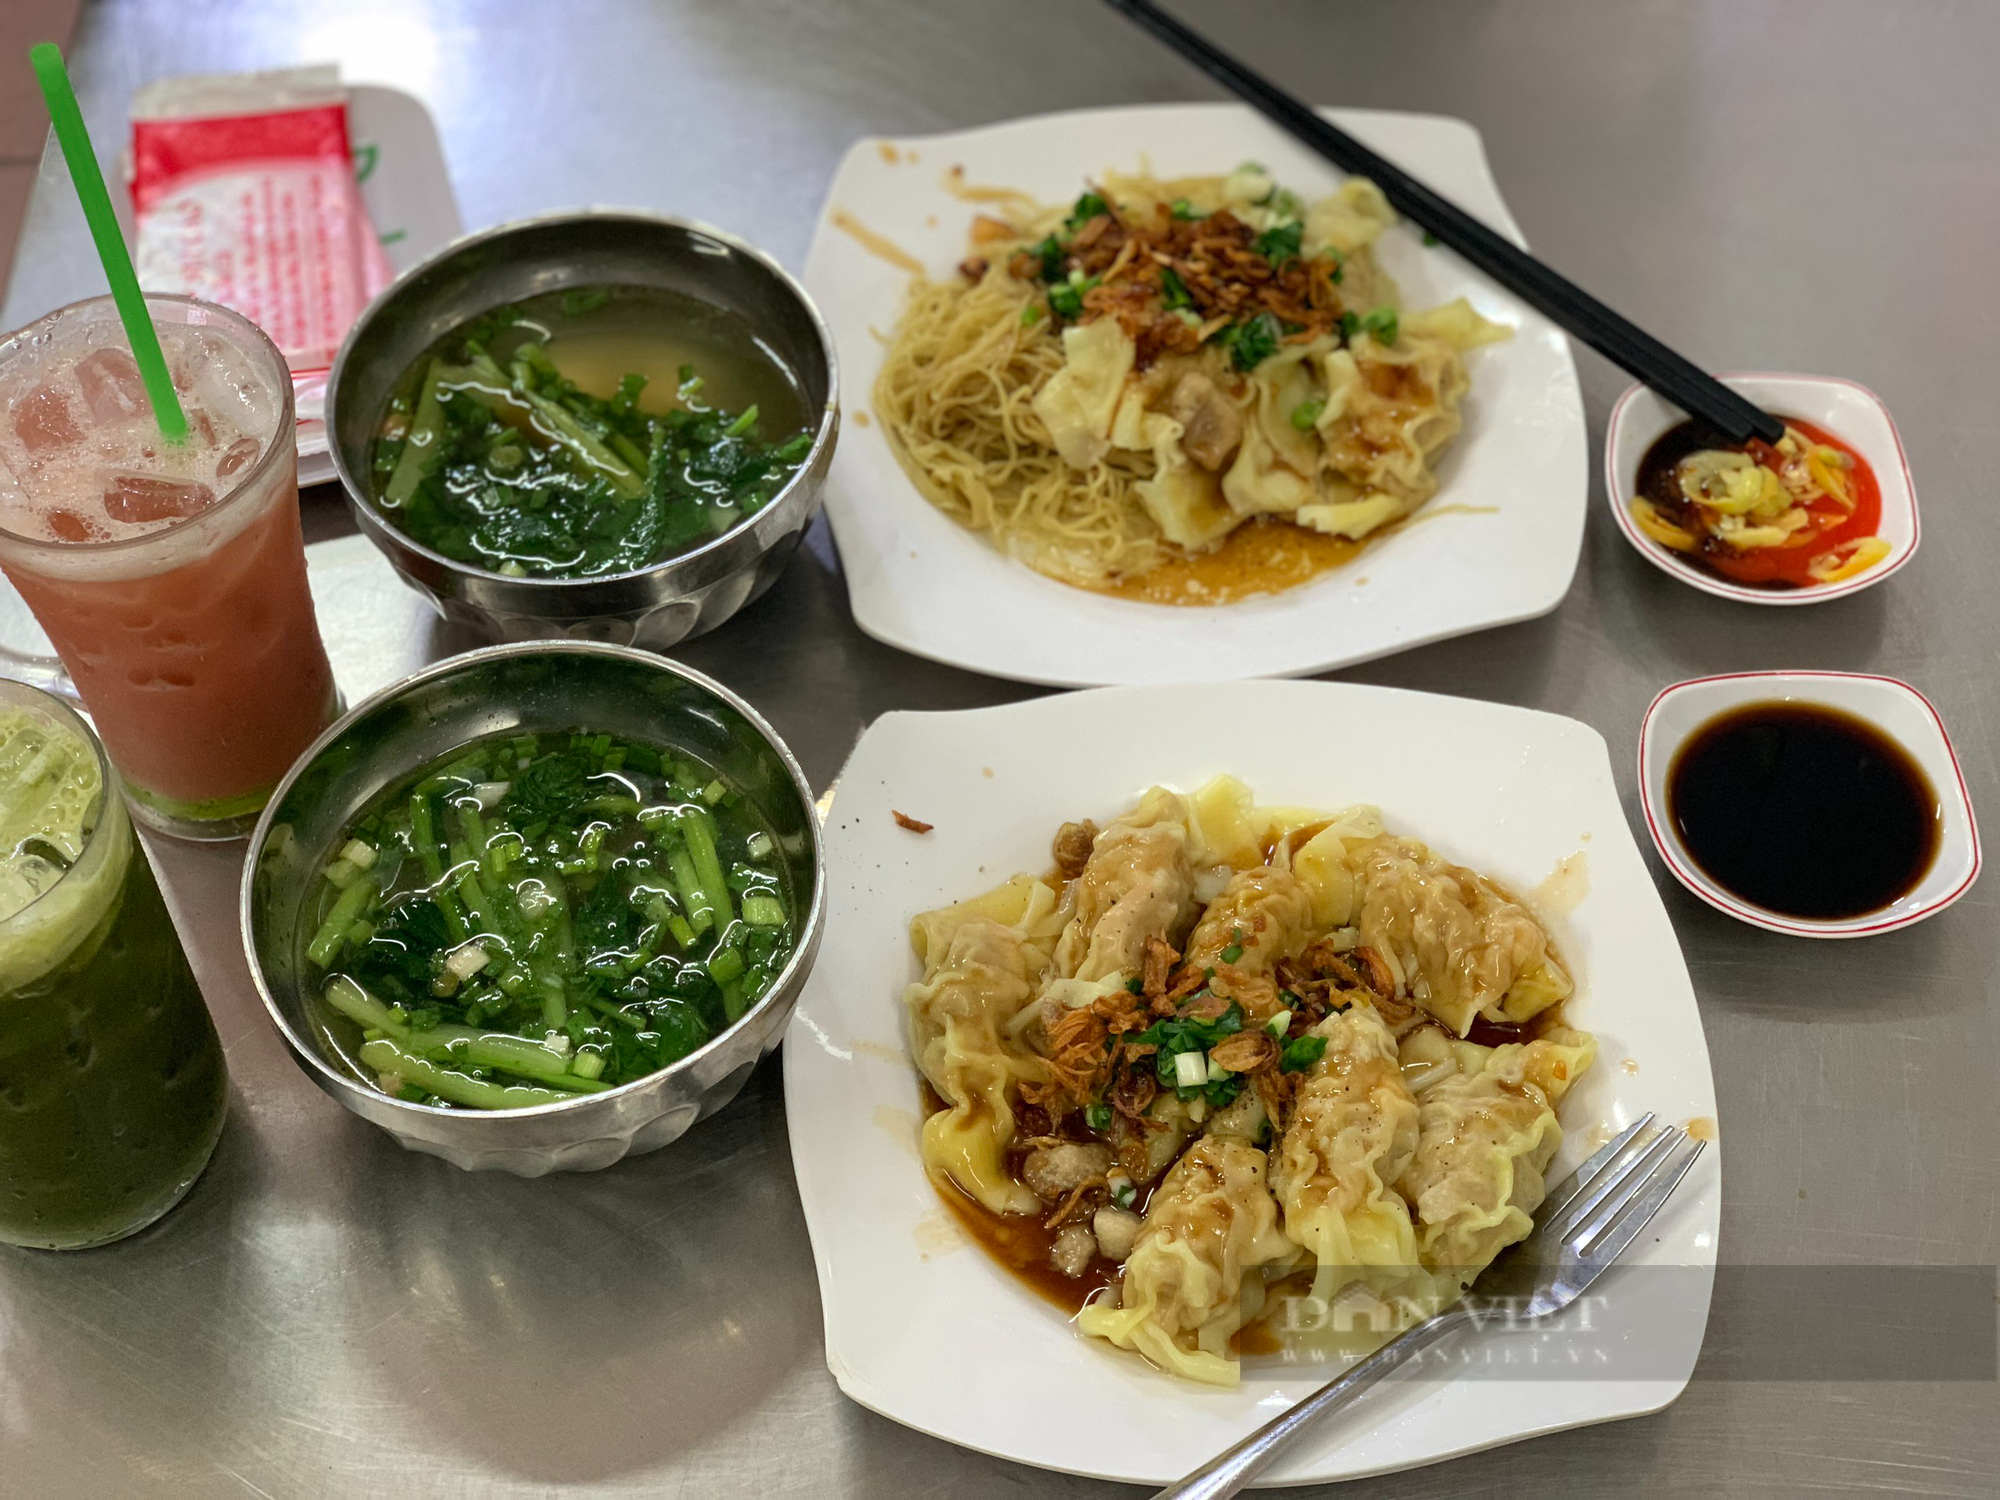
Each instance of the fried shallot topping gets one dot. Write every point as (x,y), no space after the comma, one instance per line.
(915,825)
(1073,844)
(1146,269)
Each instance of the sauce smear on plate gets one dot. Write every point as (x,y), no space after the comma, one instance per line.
(1804,810)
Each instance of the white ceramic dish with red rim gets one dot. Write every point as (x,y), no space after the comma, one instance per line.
(1895,708)
(1851,412)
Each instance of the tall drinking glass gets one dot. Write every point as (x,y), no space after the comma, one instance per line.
(170,577)
(112,1087)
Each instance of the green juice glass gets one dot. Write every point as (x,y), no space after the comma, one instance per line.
(112,1084)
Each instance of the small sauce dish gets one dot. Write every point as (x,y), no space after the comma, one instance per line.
(1894,709)
(1852,413)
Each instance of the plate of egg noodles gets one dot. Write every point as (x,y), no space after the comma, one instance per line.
(1154,394)
(1136,1095)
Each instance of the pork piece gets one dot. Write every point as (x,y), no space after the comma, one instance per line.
(1212,427)
(1073,1248)
(1116,1228)
(1051,1172)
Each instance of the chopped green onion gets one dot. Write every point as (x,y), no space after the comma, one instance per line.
(725,964)
(1305,416)
(1098,1116)
(1279,1024)
(1173,291)
(1088,207)
(1280,243)
(1300,1053)
(763,911)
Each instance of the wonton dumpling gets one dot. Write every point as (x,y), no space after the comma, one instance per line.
(1322,866)
(1077,403)
(1135,885)
(1401,410)
(1210,1220)
(1266,912)
(1488,1132)
(959,1013)
(1353,1132)
(1458,945)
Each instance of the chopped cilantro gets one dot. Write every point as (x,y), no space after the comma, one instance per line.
(1098,1116)
(1300,1053)
(1135,984)
(1173,291)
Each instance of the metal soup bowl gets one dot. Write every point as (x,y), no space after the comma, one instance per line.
(539,687)
(653,607)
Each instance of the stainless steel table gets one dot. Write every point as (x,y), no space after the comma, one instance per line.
(1811,185)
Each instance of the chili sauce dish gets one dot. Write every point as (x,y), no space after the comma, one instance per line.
(1817,804)
(1828,510)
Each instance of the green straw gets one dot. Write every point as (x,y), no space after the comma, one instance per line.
(75,142)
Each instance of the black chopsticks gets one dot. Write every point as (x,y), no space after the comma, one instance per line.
(1563,302)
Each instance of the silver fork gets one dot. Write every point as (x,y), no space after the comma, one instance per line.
(1584,1225)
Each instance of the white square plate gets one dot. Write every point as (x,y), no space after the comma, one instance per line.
(923,1327)
(1497,544)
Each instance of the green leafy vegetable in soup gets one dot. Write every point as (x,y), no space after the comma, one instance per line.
(586,433)
(541,916)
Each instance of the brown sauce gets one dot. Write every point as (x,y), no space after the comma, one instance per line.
(1022,1242)
(875,244)
(1803,810)
(1264,556)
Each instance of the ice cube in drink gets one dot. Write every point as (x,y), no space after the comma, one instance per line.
(43,422)
(85,452)
(112,389)
(193,641)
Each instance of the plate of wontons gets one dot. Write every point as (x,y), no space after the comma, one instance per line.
(1147,1079)
(1155,394)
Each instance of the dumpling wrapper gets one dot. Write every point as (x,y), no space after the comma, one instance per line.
(1457,944)
(1211,1219)
(1135,885)
(1352,1134)
(960,1011)
(1487,1132)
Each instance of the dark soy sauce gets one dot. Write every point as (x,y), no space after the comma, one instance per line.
(1803,810)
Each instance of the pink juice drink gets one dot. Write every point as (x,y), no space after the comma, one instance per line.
(170,577)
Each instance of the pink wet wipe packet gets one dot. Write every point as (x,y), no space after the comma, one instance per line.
(244,194)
